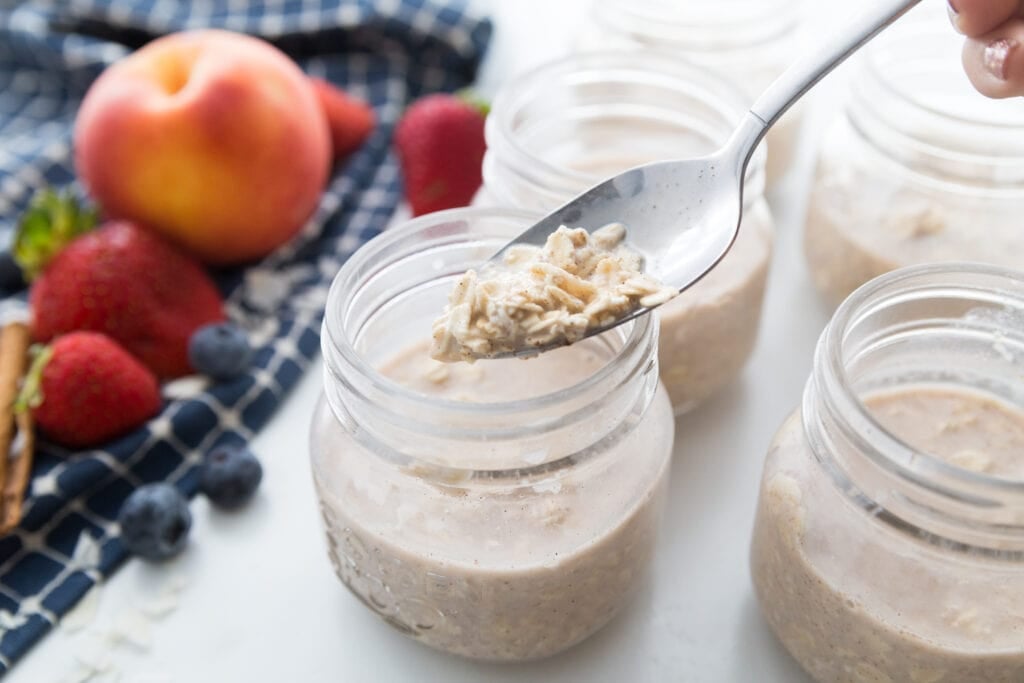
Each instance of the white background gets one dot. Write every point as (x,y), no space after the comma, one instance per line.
(259,600)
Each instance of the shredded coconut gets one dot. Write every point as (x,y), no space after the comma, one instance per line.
(547,295)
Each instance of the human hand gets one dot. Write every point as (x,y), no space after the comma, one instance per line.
(994,53)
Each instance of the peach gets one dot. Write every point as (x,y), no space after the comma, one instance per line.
(214,139)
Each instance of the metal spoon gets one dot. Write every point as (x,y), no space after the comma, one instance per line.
(684,215)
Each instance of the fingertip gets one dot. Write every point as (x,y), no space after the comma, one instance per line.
(995,65)
(976,18)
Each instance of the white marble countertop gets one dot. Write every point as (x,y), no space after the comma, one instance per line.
(258,600)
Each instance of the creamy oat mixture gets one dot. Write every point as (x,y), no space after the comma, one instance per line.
(502,571)
(709,331)
(542,296)
(854,601)
(864,220)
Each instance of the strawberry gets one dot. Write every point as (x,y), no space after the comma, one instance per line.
(85,389)
(123,281)
(351,121)
(440,145)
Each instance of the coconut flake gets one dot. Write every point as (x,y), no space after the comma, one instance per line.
(134,628)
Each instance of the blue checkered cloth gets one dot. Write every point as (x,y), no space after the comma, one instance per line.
(386,52)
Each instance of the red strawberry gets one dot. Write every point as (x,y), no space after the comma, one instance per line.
(127,283)
(85,389)
(351,121)
(440,144)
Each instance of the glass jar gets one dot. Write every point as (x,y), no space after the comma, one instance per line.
(556,131)
(749,42)
(503,510)
(889,538)
(918,167)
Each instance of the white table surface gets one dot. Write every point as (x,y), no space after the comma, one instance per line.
(259,602)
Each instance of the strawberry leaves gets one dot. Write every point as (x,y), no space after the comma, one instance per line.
(31,394)
(51,221)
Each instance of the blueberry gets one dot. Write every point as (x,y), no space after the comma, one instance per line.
(220,351)
(155,521)
(11,278)
(229,476)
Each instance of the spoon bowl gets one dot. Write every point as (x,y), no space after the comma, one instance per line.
(682,216)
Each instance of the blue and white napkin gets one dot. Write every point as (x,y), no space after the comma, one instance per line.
(387,52)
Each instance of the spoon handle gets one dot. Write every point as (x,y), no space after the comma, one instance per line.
(804,73)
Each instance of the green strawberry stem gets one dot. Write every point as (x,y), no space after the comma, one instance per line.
(51,221)
(474,100)
(31,394)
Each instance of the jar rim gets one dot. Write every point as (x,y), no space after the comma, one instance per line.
(336,340)
(889,451)
(761,22)
(959,148)
(649,66)
(923,37)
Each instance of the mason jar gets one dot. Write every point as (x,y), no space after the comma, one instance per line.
(562,128)
(917,167)
(750,42)
(500,510)
(889,538)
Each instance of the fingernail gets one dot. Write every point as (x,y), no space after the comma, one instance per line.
(954,14)
(996,57)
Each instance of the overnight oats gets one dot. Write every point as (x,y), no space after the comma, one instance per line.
(918,167)
(570,124)
(889,539)
(504,509)
(749,42)
(537,297)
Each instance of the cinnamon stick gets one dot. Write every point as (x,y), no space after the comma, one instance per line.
(19,474)
(14,343)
